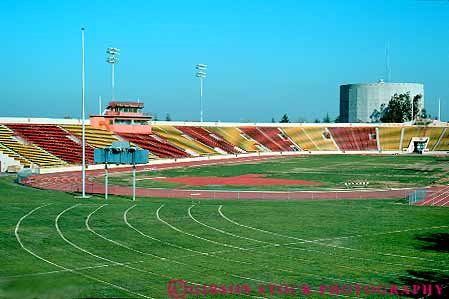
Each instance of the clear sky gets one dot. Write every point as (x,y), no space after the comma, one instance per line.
(265,58)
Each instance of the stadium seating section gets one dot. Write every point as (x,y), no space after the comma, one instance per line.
(53,140)
(271,137)
(178,138)
(155,145)
(46,145)
(235,136)
(355,139)
(311,138)
(208,138)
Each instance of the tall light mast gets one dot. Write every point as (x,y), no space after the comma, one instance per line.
(112,60)
(201,74)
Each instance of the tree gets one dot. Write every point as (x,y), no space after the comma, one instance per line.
(338,119)
(167,117)
(399,109)
(272,120)
(377,114)
(284,119)
(327,119)
(317,120)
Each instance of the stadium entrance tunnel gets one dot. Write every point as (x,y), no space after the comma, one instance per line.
(419,146)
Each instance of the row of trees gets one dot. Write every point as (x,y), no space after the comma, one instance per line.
(326,119)
(398,110)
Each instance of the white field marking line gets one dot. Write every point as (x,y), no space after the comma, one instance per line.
(318,243)
(16,232)
(223,244)
(443,196)
(367,235)
(224,232)
(145,253)
(381,274)
(195,236)
(93,254)
(277,255)
(62,271)
(194,252)
(312,250)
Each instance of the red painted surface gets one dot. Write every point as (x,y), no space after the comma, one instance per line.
(242,180)
(71,182)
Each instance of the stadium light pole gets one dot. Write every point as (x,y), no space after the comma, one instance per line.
(83,134)
(112,60)
(201,74)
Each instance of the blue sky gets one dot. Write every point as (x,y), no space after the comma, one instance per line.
(265,58)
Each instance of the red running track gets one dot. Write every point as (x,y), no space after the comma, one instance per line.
(71,182)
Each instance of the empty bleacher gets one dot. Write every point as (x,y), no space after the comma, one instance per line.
(178,138)
(355,138)
(235,136)
(156,145)
(432,132)
(311,138)
(208,138)
(96,137)
(54,140)
(443,145)
(390,138)
(271,137)
(25,153)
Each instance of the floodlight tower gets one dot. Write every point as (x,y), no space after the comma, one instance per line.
(201,74)
(113,59)
(83,134)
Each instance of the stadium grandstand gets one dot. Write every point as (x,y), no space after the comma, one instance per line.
(42,143)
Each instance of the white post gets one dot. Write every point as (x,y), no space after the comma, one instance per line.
(106,180)
(134,181)
(113,83)
(201,99)
(439,109)
(83,116)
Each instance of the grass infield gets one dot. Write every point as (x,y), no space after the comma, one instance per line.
(332,172)
(54,245)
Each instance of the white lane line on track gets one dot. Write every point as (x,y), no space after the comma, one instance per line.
(238,276)
(62,271)
(194,252)
(318,243)
(109,260)
(89,228)
(225,232)
(302,249)
(16,232)
(195,236)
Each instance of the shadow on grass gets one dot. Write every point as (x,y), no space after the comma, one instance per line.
(438,242)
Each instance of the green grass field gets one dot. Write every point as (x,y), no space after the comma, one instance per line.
(84,248)
(331,171)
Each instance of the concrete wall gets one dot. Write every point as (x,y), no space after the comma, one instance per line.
(358,101)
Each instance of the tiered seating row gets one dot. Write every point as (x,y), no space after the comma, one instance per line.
(26,154)
(155,145)
(390,138)
(54,140)
(311,138)
(98,138)
(432,133)
(205,137)
(355,139)
(176,137)
(270,137)
(235,136)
